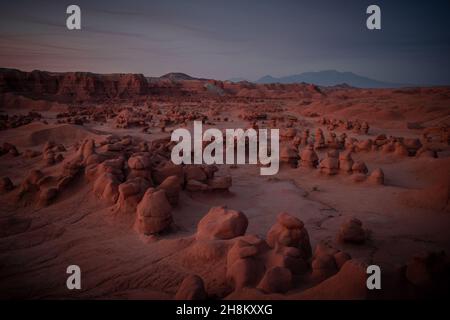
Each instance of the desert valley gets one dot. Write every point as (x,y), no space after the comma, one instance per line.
(87,180)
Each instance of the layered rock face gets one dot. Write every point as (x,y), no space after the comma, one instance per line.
(72,86)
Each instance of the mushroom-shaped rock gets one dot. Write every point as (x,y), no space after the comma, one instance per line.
(107,187)
(304,137)
(319,141)
(365,145)
(289,231)
(360,167)
(412,144)
(388,147)
(400,150)
(140,167)
(288,134)
(138,162)
(377,176)
(287,257)
(380,140)
(192,288)
(130,193)
(308,157)
(244,266)
(222,223)
(112,166)
(352,232)
(172,187)
(245,247)
(329,166)
(425,152)
(346,162)
(365,127)
(86,149)
(289,155)
(154,212)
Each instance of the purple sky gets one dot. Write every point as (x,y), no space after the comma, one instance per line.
(225,39)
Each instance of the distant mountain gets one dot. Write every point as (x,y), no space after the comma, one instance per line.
(331,78)
(177,76)
(238,79)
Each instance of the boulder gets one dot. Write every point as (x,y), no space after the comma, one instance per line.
(106,187)
(377,176)
(138,162)
(130,194)
(359,167)
(244,264)
(400,149)
(329,166)
(171,185)
(222,223)
(289,156)
(346,162)
(154,212)
(289,231)
(308,157)
(352,232)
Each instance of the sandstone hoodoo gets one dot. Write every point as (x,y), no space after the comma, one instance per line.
(154,212)
(345,162)
(308,157)
(377,176)
(130,194)
(172,186)
(352,232)
(330,165)
(289,231)
(222,223)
